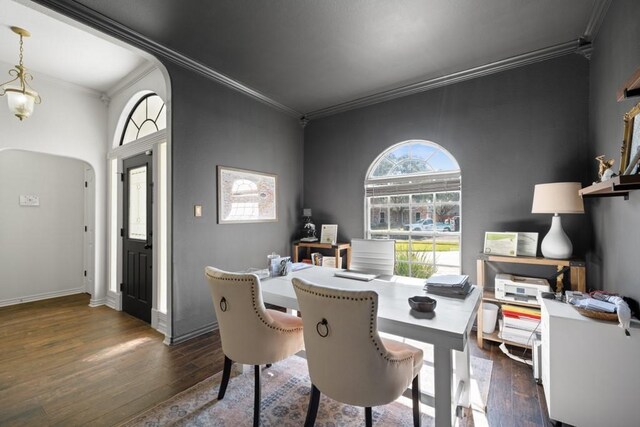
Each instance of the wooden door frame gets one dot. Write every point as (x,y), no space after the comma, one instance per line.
(89,239)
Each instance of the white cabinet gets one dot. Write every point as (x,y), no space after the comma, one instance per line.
(590,369)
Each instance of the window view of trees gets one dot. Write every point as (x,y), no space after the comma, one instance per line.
(411,199)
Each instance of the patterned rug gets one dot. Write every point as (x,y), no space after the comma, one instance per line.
(285,398)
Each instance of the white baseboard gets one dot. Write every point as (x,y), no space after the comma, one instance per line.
(45,295)
(159,321)
(114,300)
(201,331)
(97,302)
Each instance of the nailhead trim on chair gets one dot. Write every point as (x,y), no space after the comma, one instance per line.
(253,302)
(371,321)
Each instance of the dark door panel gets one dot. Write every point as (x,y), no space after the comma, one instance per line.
(137,295)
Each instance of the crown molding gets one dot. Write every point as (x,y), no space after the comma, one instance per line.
(598,13)
(472,73)
(107,25)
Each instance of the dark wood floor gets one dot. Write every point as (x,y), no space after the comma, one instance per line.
(64,363)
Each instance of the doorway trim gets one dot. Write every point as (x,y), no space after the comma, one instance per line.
(161,308)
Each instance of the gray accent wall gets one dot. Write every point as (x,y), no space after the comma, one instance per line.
(214,125)
(613,257)
(508,131)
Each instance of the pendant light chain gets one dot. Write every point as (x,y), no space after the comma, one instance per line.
(21,50)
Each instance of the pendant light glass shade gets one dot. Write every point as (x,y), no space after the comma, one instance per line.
(21,103)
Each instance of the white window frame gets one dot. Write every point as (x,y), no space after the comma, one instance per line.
(411,185)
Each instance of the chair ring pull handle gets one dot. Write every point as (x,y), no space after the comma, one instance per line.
(223,304)
(323,323)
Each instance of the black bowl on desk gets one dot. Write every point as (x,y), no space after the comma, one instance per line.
(422,303)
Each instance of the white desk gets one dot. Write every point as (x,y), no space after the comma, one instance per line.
(448,330)
(589,368)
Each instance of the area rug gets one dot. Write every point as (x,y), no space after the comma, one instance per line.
(285,398)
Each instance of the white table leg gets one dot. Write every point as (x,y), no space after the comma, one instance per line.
(463,375)
(442,385)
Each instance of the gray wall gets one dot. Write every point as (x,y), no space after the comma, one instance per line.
(613,257)
(41,247)
(213,125)
(508,131)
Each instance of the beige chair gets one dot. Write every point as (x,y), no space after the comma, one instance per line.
(250,333)
(348,361)
(374,256)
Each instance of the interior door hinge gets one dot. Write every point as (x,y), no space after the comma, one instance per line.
(86,184)
(122,176)
(85,228)
(121,287)
(122,232)
(85,273)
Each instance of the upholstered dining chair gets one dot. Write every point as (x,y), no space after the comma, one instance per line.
(250,333)
(375,256)
(348,361)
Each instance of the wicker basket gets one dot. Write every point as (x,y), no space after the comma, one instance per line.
(609,317)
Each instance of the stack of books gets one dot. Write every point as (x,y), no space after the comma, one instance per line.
(520,324)
(449,285)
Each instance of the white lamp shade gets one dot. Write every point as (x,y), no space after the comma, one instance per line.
(557,197)
(21,103)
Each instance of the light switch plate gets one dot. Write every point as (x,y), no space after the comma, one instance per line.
(29,200)
(197,211)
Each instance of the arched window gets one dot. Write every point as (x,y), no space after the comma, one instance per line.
(149,115)
(412,195)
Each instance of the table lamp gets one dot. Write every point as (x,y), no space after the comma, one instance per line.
(557,198)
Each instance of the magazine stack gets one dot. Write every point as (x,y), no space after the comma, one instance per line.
(449,285)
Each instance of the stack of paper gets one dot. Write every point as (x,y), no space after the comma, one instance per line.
(449,285)
(596,305)
(520,324)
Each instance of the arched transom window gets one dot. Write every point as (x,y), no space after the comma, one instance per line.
(149,115)
(412,195)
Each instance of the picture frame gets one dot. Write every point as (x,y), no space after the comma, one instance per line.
(630,152)
(501,243)
(329,233)
(527,244)
(246,196)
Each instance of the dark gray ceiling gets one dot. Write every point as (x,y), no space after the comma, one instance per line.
(313,54)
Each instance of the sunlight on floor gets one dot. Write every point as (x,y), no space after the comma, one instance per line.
(477,406)
(116,350)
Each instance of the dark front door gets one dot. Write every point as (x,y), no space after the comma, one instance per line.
(137,237)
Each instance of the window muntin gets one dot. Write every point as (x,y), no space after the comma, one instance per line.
(149,115)
(413,196)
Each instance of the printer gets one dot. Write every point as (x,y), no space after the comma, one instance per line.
(521,289)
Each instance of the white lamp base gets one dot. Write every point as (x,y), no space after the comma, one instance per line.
(556,244)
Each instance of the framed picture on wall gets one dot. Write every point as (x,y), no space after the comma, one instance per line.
(246,196)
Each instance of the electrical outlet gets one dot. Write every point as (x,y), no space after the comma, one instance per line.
(197,211)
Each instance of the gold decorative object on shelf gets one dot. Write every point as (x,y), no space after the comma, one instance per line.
(604,168)
(21,98)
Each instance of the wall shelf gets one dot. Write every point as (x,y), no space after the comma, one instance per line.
(618,186)
(630,88)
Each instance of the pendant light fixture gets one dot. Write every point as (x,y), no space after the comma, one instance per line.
(20,96)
